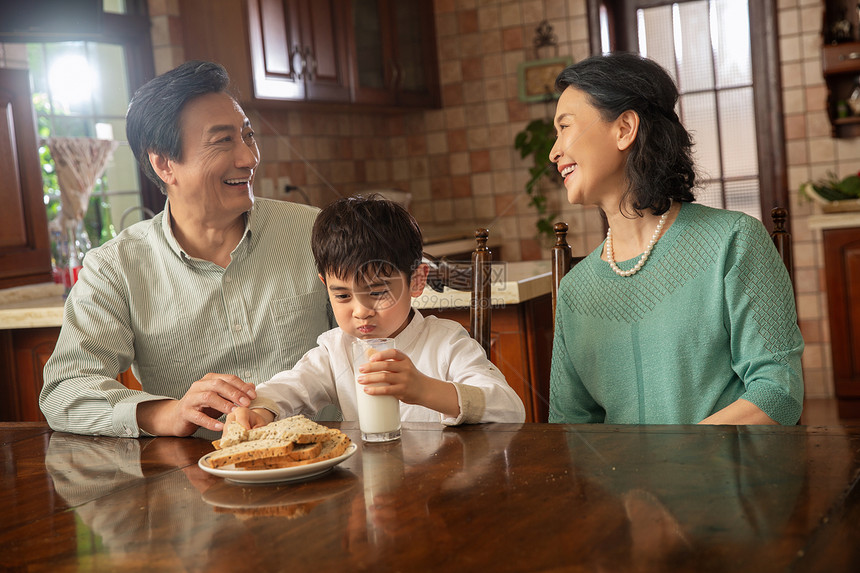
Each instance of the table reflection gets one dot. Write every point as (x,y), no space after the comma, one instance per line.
(521,498)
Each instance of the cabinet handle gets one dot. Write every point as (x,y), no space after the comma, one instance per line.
(296,52)
(849,56)
(395,74)
(312,68)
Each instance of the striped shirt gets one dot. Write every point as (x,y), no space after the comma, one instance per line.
(142,302)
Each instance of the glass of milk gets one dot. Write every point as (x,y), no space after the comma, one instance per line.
(378,416)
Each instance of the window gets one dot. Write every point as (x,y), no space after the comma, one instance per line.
(705,46)
(81,88)
(722,55)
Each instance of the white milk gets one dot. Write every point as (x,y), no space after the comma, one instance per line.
(378,416)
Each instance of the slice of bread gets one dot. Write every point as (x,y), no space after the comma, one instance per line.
(232,434)
(285,443)
(296,428)
(257,449)
(335,446)
(300,452)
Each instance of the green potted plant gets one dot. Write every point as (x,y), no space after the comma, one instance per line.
(834,194)
(536,140)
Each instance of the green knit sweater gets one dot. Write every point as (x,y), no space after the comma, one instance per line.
(709,319)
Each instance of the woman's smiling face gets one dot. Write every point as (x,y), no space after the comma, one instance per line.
(587,151)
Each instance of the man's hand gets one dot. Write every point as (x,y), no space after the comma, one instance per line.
(406,383)
(200,407)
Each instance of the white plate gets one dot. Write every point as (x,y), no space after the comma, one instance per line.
(243,475)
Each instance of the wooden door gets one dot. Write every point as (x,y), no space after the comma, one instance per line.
(25,256)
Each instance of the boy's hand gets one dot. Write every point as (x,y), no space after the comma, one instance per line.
(406,383)
(250,419)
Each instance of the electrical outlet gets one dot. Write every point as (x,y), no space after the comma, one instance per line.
(267,187)
(282,184)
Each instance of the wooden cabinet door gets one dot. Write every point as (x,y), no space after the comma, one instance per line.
(298,50)
(371,57)
(393,53)
(323,49)
(842,268)
(274,32)
(27,351)
(25,256)
(217,31)
(23,355)
(414,36)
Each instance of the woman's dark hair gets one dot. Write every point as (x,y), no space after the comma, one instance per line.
(358,237)
(152,121)
(660,165)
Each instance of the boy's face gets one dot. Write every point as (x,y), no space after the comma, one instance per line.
(375,306)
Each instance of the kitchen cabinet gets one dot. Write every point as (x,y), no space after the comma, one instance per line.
(840,65)
(374,52)
(394,53)
(25,256)
(298,50)
(842,271)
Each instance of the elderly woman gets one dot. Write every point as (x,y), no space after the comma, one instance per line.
(685,314)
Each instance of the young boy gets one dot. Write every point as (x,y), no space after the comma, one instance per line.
(368,253)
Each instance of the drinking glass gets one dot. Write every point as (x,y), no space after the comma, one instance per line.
(378,416)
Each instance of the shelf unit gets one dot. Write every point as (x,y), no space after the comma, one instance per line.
(840,64)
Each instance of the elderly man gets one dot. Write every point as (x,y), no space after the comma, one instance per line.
(215,294)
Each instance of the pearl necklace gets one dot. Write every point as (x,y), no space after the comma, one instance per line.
(610,257)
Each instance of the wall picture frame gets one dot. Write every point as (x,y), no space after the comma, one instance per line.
(537,78)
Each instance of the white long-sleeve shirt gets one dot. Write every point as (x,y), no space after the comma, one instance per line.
(439,348)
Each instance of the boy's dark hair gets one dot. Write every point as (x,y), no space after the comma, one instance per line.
(359,237)
(660,165)
(152,120)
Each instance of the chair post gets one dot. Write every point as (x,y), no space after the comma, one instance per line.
(781,237)
(561,257)
(481,290)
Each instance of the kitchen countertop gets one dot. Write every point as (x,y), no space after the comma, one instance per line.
(834,220)
(32,306)
(513,283)
(41,305)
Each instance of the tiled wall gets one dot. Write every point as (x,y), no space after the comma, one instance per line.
(811,152)
(459,162)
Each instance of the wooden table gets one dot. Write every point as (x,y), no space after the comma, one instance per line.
(535,497)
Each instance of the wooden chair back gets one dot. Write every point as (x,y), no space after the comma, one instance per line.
(477,278)
(479,311)
(562,260)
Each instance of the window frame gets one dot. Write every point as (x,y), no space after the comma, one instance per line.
(132,31)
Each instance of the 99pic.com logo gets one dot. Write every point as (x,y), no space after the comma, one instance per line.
(447,276)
